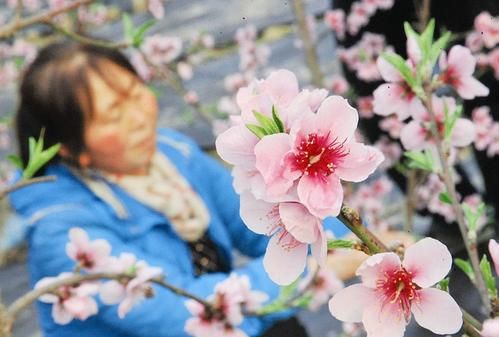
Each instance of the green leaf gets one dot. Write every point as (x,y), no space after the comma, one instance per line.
(138,34)
(419,160)
(444,285)
(465,266)
(427,38)
(278,122)
(488,277)
(333,244)
(257,130)
(399,63)
(16,160)
(288,291)
(127,27)
(266,123)
(450,119)
(471,215)
(409,31)
(303,301)
(445,198)
(438,47)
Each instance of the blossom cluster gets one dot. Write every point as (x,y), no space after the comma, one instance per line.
(76,301)
(290,149)
(232,298)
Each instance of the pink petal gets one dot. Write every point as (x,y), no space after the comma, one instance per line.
(112,292)
(490,328)
(437,311)
(81,307)
(298,221)
(383,320)
(319,247)
(270,153)
(78,236)
(348,304)
(322,197)
(285,258)
(416,261)
(388,99)
(282,86)
(470,87)
(337,116)
(461,59)
(494,253)
(60,315)
(413,136)
(125,306)
(375,267)
(463,133)
(236,145)
(101,248)
(360,162)
(387,71)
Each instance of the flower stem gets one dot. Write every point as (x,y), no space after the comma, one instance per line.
(470,245)
(352,220)
(24,183)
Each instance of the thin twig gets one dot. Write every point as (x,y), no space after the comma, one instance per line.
(24,183)
(308,44)
(28,298)
(409,200)
(18,24)
(451,190)
(87,40)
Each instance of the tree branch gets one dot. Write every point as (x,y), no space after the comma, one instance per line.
(24,183)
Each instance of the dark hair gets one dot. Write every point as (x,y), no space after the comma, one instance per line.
(55,94)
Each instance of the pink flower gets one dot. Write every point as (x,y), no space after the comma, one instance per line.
(457,71)
(92,256)
(391,290)
(237,289)
(488,27)
(390,149)
(70,302)
(162,49)
(234,82)
(490,327)
(365,106)
(141,66)
(205,325)
(156,8)
(474,41)
(483,124)
(191,97)
(184,70)
(317,153)
(339,85)
(324,285)
(494,253)
(392,125)
(132,291)
(335,20)
(292,229)
(417,134)
(359,16)
(396,96)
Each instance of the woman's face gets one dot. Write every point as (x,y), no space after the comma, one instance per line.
(120,134)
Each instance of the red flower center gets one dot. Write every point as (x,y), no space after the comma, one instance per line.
(86,261)
(318,156)
(398,288)
(450,77)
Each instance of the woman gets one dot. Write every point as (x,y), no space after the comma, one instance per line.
(151,193)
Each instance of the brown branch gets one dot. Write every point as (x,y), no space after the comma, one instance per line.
(28,298)
(409,200)
(23,183)
(20,23)
(451,190)
(308,44)
(352,220)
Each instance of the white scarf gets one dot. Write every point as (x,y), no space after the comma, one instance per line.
(165,190)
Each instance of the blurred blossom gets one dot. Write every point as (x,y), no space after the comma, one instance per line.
(474,41)
(365,106)
(392,125)
(156,8)
(339,85)
(162,49)
(457,71)
(184,70)
(208,41)
(8,73)
(92,256)
(94,14)
(490,327)
(335,20)
(227,105)
(128,292)
(70,302)
(488,27)
(191,97)
(56,4)
(390,149)
(141,66)
(233,82)
(31,5)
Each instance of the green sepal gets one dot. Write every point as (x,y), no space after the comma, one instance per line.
(16,161)
(278,122)
(334,244)
(266,123)
(444,284)
(257,130)
(489,279)
(445,198)
(138,34)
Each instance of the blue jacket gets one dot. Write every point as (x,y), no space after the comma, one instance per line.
(53,208)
